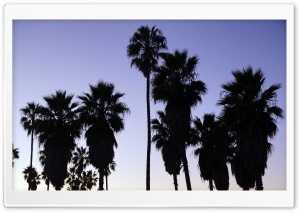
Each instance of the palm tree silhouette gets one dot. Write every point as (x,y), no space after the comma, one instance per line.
(175,83)
(111,166)
(144,48)
(214,152)
(251,115)
(78,178)
(32,177)
(30,115)
(58,128)
(169,149)
(103,114)
(15,154)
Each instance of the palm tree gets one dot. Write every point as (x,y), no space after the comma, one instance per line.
(214,152)
(15,154)
(32,177)
(251,115)
(144,48)
(111,166)
(58,128)
(85,181)
(169,149)
(30,115)
(175,84)
(80,160)
(103,114)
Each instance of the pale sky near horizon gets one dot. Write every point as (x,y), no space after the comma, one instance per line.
(69,55)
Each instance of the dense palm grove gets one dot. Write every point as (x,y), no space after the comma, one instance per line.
(240,135)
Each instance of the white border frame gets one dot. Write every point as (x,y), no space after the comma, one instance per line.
(176,11)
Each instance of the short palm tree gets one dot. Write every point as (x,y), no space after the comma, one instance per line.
(251,115)
(175,83)
(102,114)
(58,128)
(32,177)
(30,115)
(144,48)
(169,149)
(214,152)
(15,154)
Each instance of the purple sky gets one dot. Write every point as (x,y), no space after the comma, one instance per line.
(69,55)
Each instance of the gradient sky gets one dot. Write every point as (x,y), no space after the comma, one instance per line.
(69,55)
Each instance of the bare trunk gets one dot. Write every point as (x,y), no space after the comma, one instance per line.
(148,134)
(106,182)
(185,168)
(175,182)
(29,175)
(259,183)
(101,188)
(211,187)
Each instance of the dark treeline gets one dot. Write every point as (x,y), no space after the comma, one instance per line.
(238,136)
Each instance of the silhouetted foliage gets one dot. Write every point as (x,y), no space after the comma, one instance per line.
(15,154)
(107,172)
(169,149)
(144,48)
(175,83)
(78,177)
(30,115)
(251,115)
(215,150)
(32,177)
(102,114)
(58,128)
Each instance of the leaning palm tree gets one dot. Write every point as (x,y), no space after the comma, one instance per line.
(30,115)
(15,154)
(32,177)
(251,115)
(144,49)
(103,115)
(169,149)
(175,83)
(214,152)
(58,128)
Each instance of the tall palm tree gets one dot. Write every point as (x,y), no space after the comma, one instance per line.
(32,177)
(15,154)
(169,149)
(30,115)
(214,152)
(175,83)
(58,128)
(144,48)
(102,114)
(251,114)
(107,171)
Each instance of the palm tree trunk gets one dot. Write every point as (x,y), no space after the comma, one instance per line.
(106,182)
(101,188)
(259,183)
(175,182)
(185,168)
(29,175)
(246,189)
(149,135)
(48,186)
(211,187)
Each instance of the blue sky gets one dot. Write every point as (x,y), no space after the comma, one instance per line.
(69,55)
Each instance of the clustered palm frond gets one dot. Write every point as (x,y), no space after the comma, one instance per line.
(58,128)
(251,115)
(102,114)
(175,83)
(32,177)
(15,154)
